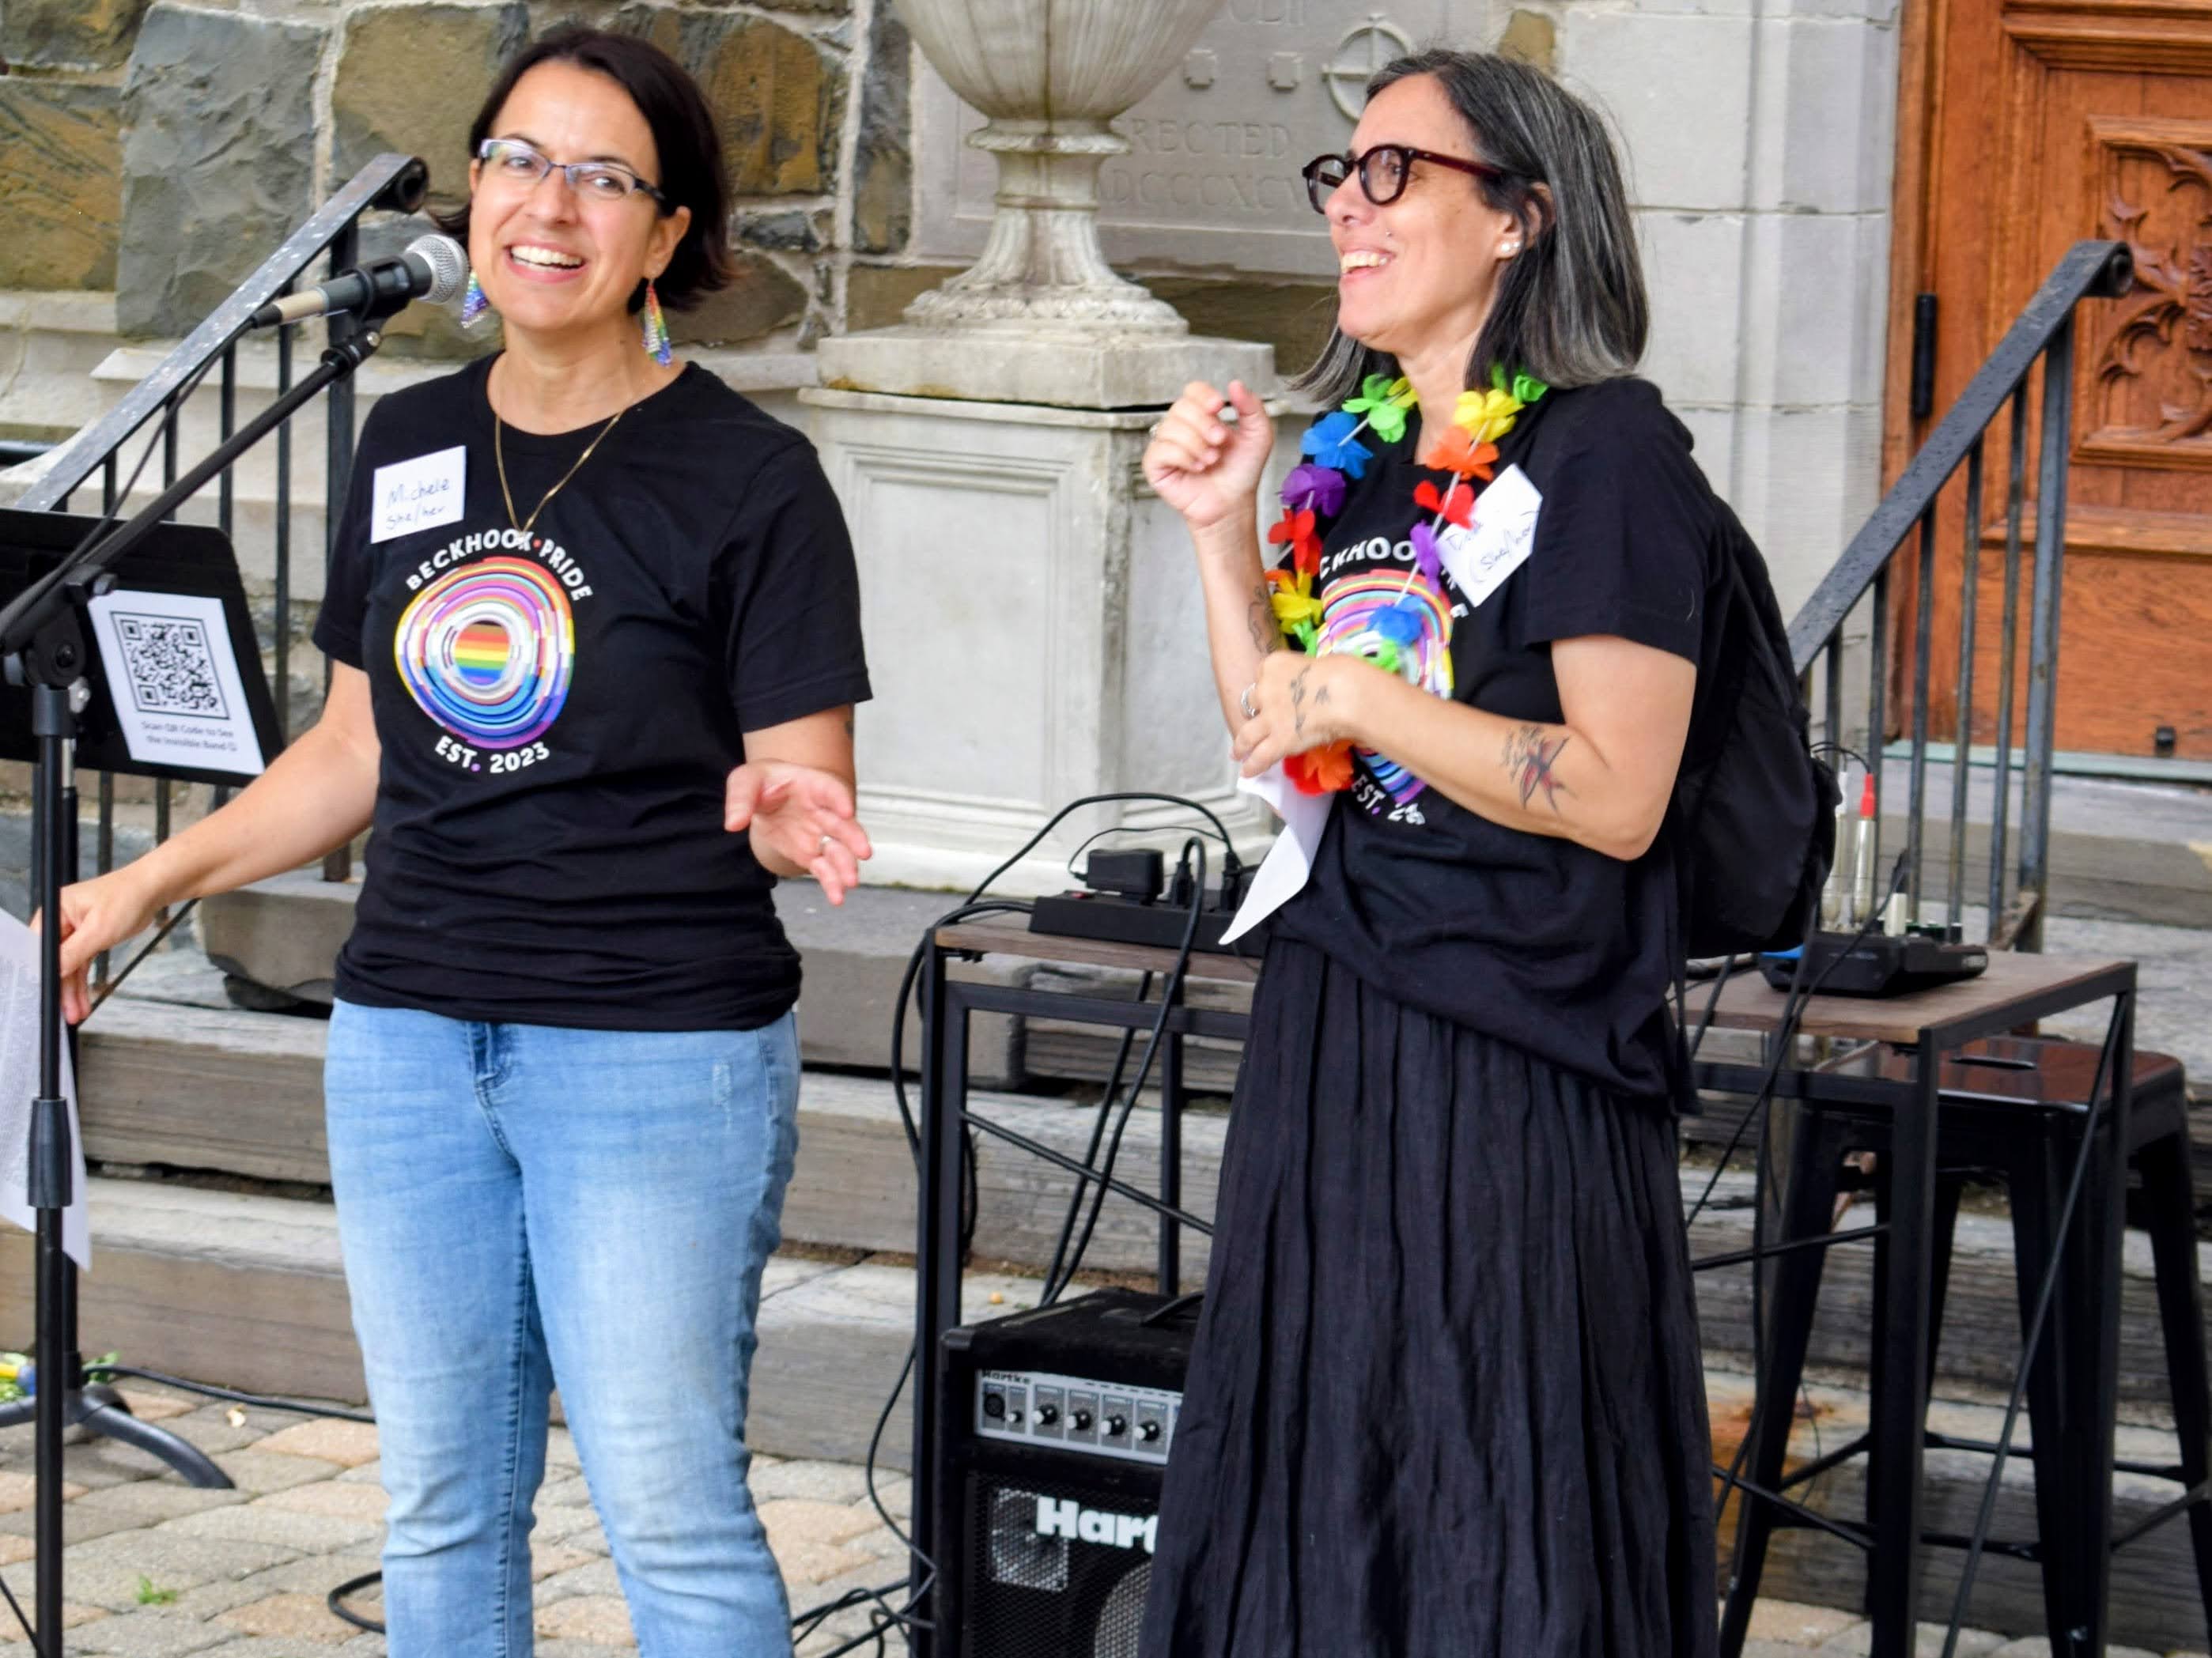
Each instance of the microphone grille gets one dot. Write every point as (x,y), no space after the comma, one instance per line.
(449,266)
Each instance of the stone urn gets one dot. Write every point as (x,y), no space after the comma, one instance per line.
(1051,74)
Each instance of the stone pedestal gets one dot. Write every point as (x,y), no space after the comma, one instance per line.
(1076,368)
(1035,627)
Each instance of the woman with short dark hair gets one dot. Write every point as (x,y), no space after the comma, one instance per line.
(1447,1399)
(594,634)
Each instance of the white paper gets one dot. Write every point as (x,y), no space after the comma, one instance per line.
(19,1086)
(1480,559)
(418,494)
(1289,863)
(174,681)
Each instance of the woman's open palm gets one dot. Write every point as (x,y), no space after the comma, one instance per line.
(804,815)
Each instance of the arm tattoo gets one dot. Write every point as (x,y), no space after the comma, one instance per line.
(1529,756)
(1298,700)
(1260,617)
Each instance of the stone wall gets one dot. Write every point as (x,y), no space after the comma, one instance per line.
(1765,210)
(162,149)
(61,140)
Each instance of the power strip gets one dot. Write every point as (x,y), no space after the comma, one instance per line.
(1118,918)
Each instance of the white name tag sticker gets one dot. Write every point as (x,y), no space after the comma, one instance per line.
(1479,560)
(418,494)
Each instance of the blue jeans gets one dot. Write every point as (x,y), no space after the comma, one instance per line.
(522,1206)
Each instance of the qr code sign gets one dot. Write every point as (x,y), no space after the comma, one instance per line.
(170,669)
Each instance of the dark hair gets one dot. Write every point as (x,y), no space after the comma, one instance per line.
(1571,307)
(691,171)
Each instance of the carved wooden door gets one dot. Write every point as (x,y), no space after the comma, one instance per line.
(2026,125)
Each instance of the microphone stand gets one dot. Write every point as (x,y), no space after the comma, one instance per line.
(42,646)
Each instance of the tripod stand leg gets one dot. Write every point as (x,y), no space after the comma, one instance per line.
(114,1421)
(101,1410)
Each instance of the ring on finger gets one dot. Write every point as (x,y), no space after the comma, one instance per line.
(1244,701)
(824,846)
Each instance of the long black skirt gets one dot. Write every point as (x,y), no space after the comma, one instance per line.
(1446,1400)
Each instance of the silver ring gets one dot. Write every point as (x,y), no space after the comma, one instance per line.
(823,848)
(1244,701)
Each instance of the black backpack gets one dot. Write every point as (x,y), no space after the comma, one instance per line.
(1753,821)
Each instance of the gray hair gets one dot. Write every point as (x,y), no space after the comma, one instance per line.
(1571,307)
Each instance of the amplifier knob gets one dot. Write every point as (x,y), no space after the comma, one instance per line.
(1081,1422)
(1148,1431)
(1047,1415)
(1117,1426)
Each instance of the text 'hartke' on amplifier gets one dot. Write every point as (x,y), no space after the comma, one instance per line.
(1058,1424)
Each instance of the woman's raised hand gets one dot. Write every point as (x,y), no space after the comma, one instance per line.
(1205,467)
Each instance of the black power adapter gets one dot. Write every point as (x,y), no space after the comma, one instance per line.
(1136,873)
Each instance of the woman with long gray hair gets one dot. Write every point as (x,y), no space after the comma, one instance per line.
(1447,1400)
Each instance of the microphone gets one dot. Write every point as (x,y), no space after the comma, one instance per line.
(433,268)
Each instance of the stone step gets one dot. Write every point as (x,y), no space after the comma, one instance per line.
(2155,1600)
(287,931)
(236,1288)
(210,1089)
(853,1195)
(2121,848)
(284,933)
(246,1291)
(215,1090)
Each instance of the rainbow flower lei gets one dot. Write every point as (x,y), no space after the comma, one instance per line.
(1467,450)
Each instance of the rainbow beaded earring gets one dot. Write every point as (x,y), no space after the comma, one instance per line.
(473,303)
(656,328)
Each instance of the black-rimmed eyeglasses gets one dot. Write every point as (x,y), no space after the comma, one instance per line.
(1383,172)
(512,161)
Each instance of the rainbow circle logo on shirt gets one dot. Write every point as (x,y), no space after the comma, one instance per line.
(1403,626)
(486,651)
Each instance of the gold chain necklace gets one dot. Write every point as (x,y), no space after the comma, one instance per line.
(499,461)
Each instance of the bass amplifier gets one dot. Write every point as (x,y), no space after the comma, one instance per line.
(1057,1426)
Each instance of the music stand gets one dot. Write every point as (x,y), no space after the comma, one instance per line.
(43,647)
(177,610)
(188,561)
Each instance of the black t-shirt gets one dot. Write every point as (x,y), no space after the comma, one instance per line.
(1557,948)
(559,710)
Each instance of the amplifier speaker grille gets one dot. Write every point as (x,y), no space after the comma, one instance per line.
(1027,1594)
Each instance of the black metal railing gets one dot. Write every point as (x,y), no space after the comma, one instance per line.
(390,183)
(2040,339)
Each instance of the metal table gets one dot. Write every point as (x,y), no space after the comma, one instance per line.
(2016,991)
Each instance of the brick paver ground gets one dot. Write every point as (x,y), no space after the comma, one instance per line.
(156,1570)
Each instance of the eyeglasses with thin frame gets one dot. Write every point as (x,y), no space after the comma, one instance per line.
(1384,172)
(509,160)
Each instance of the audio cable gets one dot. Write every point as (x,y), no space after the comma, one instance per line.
(1063,1267)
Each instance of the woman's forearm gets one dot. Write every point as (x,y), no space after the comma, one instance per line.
(315,796)
(1241,632)
(1545,779)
